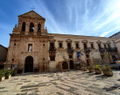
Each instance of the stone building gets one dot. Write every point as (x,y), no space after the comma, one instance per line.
(3,53)
(32,48)
(3,56)
(116,38)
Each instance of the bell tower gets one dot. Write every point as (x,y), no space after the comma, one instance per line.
(30,23)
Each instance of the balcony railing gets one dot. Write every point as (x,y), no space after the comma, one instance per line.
(70,50)
(102,50)
(52,49)
(87,50)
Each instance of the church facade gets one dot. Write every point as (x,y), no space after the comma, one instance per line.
(33,49)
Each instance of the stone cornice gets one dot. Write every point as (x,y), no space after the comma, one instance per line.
(78,36)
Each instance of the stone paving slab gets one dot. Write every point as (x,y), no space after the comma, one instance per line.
(62,83)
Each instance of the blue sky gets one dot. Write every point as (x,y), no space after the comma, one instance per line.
(79,17)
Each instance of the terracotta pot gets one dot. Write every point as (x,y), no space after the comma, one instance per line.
(108,73)
(90,70)
(98,71)
(2,78)
(84,68)
(7,77)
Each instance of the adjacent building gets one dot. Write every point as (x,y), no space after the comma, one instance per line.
(116,38)
(3,56)
(32,48)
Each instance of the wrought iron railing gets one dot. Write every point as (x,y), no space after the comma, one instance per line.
(52,49)
(101,50)
(87,50)
(70,50)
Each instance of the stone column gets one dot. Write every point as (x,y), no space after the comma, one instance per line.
(42,28)
(20,26)
(36,28)
(27,28)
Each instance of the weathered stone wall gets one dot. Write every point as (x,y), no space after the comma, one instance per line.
(3,53)
(118,45)
(62,54)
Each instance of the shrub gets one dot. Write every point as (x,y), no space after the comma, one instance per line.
(107,71)
(14,72)
(91,68)
(7,73)
(98,69)
(2,74)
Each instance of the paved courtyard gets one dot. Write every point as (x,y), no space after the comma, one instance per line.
(65,83)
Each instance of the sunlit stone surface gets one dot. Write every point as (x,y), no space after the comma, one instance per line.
(65,83)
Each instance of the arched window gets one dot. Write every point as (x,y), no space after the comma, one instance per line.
(39,27)
(31,27)
(23,26)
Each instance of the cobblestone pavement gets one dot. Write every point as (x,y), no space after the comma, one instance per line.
(65,83)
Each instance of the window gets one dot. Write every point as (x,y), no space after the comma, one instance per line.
(23,26)
(109,46)
(31,27)
(70,56)
(13,60)
(43,59)
(29,47)
(105,46)
(77,45)
(14,44)
(69,45)
(85,45)
(60,45)
(87,55)
(99,45)
(39,27)
(102,56)
(92,45)
(52,45)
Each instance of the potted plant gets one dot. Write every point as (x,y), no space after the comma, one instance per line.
(91,68)
(107,71)
(97,69)
(2,75)
(8,74)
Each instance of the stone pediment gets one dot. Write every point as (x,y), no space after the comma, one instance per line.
(32,14)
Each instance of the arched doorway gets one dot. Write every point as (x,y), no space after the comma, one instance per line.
(64,65)
(28,64)
(71,64)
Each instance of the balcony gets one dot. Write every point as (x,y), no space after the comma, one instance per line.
(52,49)
(101,50)
(87,50)
(70,50)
